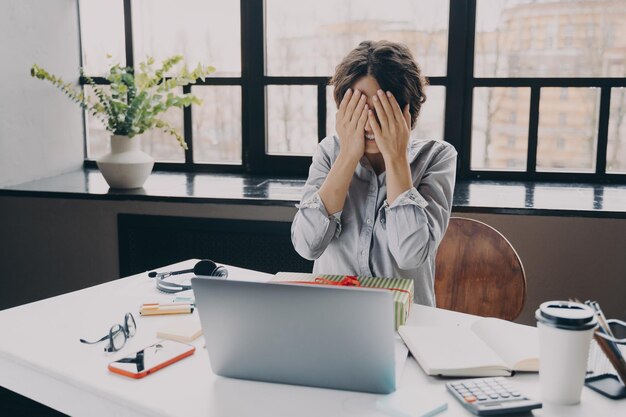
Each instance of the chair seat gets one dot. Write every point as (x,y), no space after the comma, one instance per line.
(478,271)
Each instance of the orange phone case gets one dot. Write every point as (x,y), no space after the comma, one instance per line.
(154,368)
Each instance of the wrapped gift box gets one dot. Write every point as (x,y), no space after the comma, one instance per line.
(401,288)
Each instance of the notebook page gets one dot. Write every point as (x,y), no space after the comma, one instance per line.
(517,345)
(450,350)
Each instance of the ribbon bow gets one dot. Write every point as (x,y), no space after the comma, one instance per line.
(347,281)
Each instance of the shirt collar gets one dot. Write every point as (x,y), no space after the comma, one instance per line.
(412,152)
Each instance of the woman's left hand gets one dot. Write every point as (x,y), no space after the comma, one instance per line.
(392,134)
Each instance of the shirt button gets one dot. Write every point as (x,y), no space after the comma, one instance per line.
(369,221)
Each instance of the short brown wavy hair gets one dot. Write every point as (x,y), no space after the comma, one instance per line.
(393,67)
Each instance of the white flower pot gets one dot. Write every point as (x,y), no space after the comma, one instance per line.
(126,166)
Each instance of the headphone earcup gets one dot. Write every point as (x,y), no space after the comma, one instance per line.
(220,271)
(208,268)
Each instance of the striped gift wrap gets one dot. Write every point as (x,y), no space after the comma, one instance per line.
(401,288)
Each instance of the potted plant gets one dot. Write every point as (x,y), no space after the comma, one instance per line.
(130,106)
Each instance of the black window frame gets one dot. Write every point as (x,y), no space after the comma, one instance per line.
(459,82)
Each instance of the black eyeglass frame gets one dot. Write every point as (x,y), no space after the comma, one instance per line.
(126,330)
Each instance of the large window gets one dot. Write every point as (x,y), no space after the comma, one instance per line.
(547,84)
(524,89)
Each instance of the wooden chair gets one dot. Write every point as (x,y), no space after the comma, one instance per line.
(478,271)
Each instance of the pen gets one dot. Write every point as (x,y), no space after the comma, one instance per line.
(613,354)
(601,318)
(153,309)
(608,347)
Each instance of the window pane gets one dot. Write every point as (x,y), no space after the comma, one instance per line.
(205,31)
(98,142)
(567,135)
(546,38)
(616,147)
(291,119)
(102,33)
(430,120)
(162,146)
(500,118)
(311,38)
(429,123)
(217,124)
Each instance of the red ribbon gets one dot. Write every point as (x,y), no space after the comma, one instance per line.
(347,281)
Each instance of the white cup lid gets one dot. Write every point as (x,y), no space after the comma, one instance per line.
(567,315)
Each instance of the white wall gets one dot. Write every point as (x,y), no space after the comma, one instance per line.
(41,130)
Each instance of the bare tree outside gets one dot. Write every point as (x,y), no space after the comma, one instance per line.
(490,61)
(292,119)
(217,125)
(311,39)
(567,135)
(101,36)
(514,38)
(616,152)
(203,31)
(546,38)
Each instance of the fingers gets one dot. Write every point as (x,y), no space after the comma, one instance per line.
(380,111)
(359,109)
(360,126)
(384,101)
(344,101)
(397,111)
(374,124)
(407,116)
(354,100)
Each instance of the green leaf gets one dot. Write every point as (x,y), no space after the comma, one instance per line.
(135,97)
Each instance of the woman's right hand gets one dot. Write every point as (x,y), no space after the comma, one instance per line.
(350,124)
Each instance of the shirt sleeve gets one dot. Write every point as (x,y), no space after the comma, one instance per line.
(417,219)
(313,228)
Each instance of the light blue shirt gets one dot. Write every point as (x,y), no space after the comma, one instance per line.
(370,237)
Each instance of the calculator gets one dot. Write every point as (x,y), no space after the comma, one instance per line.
(490,396)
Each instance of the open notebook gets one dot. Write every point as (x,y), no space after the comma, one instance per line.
(488,347)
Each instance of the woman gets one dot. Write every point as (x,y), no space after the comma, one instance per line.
(377,203)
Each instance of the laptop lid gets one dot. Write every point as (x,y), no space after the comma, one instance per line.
(311,335)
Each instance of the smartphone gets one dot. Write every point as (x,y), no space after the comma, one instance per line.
(152,358)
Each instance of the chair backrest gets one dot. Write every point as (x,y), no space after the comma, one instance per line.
(478,271)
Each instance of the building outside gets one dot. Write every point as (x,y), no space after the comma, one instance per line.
(523,38)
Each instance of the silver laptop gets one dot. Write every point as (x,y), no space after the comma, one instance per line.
(320,336)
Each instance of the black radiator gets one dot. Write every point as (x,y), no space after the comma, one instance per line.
(149,242)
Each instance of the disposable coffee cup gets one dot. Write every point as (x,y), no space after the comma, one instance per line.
(565,332)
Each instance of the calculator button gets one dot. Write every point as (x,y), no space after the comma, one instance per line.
(490,396)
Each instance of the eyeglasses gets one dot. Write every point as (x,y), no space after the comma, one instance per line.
(118,334)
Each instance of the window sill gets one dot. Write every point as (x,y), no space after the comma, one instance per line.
(522,198)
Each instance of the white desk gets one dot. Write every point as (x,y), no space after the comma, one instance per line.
(41,358)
